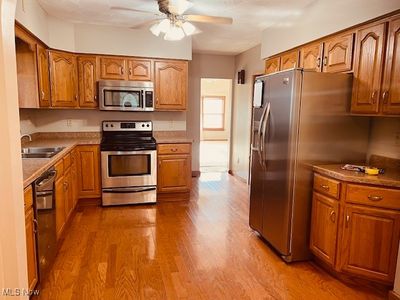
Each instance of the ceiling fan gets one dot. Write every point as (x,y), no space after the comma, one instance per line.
(172,20)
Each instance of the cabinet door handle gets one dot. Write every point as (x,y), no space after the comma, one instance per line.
(130,71)
(325,61)
(347,220)
(174,149)
(385,97)
(95,97)
(42,95)
(373,97)
(122,70)
(325,187)
(333,216)
(318,62)
(375,198)
(76,97)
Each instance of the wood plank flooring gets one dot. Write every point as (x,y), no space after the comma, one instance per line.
(201,249)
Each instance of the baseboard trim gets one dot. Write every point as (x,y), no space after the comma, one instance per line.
(393,295)
(196,173)
(230,172)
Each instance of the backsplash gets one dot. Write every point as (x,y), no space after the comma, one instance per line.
(46,120)
(385,137)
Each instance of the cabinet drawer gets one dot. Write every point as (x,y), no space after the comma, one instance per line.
(327,186)
(373,196)
(174,149)
(67,161)
(28,197)
(59,166)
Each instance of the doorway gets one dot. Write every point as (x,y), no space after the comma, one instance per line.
(215,124)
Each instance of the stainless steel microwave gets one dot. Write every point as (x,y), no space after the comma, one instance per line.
(126,95)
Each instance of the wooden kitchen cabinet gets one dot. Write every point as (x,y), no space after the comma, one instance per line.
(87,78)
(88,162)
(43,76)
(289,60)
(174,169)
(140,69)
(114,68)
(60,198)
(368,68)
(171,84)
(310,57)
(370,242)
(338,53)
(30,231)
(272,65)
(324,228)
(63,79)
(391,80)
(74,176)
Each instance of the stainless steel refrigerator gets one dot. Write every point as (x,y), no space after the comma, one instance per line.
(300,119)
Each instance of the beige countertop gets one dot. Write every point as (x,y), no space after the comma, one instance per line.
(32,168)
(172,137)
(391,178)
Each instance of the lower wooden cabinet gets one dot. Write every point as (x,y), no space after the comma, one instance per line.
(174,168)
(324,227)
(30,231)
(60,205)
(88,163)
(358,233)
(370,242)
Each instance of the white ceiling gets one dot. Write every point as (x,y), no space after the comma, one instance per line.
(250,18)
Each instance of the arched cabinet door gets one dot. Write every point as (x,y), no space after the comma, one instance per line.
(171,80)
(140,69)
(88,76)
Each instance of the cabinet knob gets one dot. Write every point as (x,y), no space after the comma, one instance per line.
(325,187)
(375,198)
(95,97)
(385,97)
(333,216)
(373,98)
(76,97)
(174,149)
(122,70)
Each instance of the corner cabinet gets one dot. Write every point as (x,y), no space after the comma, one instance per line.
(43,76)
(63,78)
(355,228)
(171,84)
(368,68)
(87,76)
(174,171)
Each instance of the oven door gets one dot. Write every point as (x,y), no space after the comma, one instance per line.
(121,98)
(128,168)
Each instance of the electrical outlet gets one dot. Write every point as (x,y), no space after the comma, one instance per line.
(69,122)
(397,138)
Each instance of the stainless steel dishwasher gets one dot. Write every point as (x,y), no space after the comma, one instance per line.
(46,221)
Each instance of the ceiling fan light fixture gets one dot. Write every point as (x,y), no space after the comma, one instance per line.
(174,34)
(155,29)
(178,7)
(188,28)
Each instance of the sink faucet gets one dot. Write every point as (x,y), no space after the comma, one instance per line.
(26,135)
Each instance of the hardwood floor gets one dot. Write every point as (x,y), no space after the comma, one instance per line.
(202,249)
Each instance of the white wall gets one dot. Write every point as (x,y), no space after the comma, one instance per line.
(321,18)
(86,38)
(34,120)
(13,265)
(217,87)
(242,106)
(203,66)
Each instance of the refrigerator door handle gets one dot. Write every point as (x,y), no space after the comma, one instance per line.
(263,134)
(260,135)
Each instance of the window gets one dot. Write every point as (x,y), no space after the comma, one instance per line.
(213,112)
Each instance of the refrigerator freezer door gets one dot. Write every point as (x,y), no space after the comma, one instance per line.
(279,160)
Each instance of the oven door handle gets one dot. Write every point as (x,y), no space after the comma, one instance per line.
(129,190)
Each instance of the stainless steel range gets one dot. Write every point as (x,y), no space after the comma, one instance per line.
(128,163)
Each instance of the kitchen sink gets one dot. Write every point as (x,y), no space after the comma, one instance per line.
(40,152)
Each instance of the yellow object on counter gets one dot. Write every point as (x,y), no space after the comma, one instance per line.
(372,171)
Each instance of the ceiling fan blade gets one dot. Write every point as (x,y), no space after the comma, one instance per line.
(208,19)
(146,24)
(133,9)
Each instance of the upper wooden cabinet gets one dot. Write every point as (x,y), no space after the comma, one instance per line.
(140,69)
(87,78)
(171,83)
(368,68)
(391,81)
(324,227)
(113,68)
(338,53)
(272,65)
(370,242)
(43,76)
(63,78)
(289,60)
(310,57)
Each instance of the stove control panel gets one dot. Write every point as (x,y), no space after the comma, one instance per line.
(127,126)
